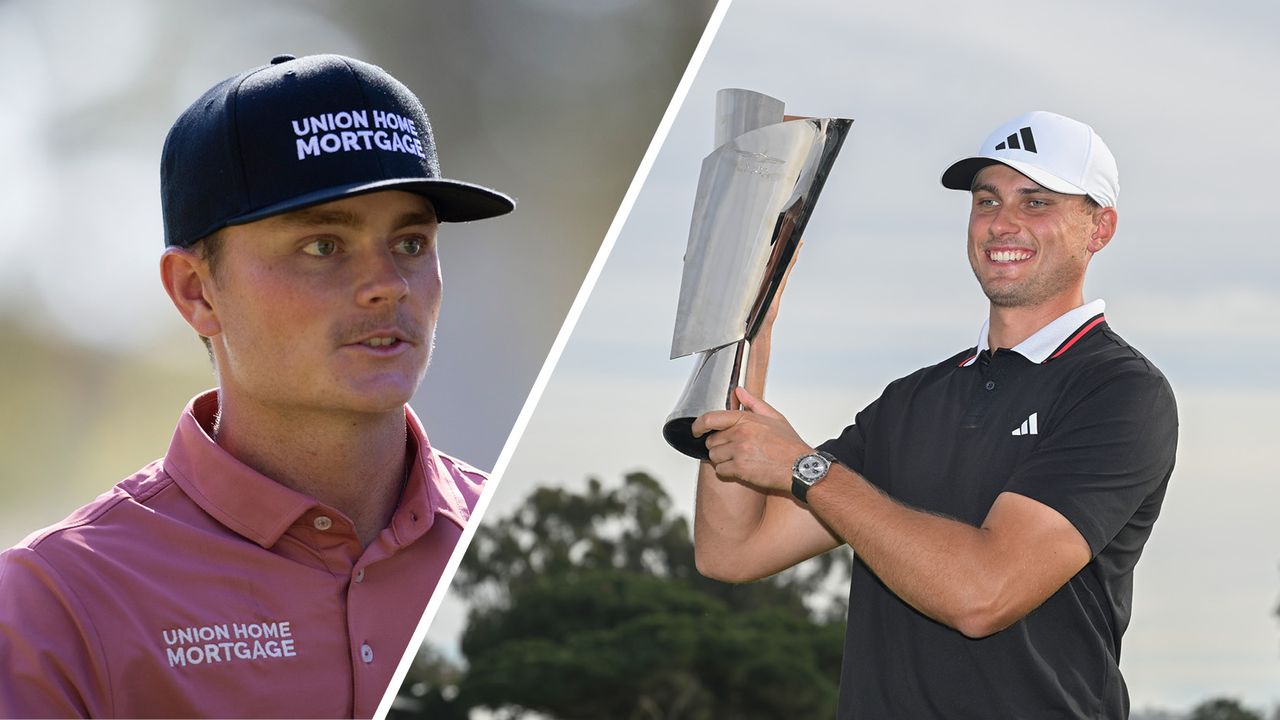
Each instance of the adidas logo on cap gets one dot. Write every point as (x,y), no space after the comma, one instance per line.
(1011,142)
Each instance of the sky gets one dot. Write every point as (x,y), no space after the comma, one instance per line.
(1176,89)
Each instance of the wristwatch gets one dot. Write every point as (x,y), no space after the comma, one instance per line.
(808,471)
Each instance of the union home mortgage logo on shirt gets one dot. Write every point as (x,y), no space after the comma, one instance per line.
(354,131)
(228,642)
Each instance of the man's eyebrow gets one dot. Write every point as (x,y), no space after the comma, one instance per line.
(1025,190)
(1036,190)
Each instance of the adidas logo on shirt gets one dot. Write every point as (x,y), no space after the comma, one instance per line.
(1028,141)
(1028,427)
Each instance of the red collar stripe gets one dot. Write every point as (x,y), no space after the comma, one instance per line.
(968,360)
(1079,334)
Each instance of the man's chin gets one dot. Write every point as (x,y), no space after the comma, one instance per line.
(376,398)
(1006,300)
(1004,295)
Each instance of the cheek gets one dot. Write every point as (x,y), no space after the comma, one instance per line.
(974,237)
(978,227)
(1069,239)
(264,307)
(429,288)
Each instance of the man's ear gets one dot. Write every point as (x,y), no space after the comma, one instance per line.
(187,280)
(1104,228)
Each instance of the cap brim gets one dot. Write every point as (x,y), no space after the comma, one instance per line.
(453,200)
(962,172)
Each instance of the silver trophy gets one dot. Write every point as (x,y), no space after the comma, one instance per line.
(755,194)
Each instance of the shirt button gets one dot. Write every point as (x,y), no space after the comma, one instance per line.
(991,385)
(366,653)
(359,576)
(322,522)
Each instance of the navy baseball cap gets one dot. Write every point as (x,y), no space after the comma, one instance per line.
(299,132)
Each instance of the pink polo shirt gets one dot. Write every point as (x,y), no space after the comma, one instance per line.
(199,587)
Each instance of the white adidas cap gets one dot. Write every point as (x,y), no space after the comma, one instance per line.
(1062,154)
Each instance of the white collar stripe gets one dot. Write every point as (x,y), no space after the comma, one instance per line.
(1052,339)
(1075,338)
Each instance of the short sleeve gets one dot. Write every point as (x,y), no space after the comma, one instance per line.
(48,648)
(1106,456)
(850,446)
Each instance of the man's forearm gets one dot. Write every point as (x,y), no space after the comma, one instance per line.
(739,537)
(931,562)
(742,532)
(977,580)
(727,513)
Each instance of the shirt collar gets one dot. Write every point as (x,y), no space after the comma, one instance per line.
(1042,344)
(430,491)
(260,509)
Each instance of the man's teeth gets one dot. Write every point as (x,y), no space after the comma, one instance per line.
(379,342)
(1009,255)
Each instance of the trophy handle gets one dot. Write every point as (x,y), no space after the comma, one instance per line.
(711,386)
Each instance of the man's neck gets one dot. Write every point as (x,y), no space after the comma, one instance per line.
(1010,326)
(356,464)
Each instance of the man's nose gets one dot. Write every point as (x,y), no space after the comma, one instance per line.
(381,279)
(1005,221)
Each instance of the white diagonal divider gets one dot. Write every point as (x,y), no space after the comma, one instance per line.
(557,348)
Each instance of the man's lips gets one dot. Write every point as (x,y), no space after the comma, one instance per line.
(381,334)
(383,339)
(380,339)
(380,342)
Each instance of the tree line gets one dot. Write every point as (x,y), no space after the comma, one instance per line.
(588,605)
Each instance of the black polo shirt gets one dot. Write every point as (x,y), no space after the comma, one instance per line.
(1091,432)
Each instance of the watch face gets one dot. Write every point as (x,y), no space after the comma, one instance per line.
(812,467)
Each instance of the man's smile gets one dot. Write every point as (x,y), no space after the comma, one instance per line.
(1001,256)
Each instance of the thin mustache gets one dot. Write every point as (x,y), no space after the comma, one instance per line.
(406,327)
(995,242)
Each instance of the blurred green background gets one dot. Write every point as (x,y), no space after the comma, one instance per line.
(588,605)
(552,101)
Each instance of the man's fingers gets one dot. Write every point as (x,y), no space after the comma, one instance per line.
(755,404)
(726,470)
(718,437)
(718,454)
(772,313)
(790,266)
(716,420)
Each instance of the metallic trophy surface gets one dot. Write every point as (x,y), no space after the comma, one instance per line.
(755,195)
